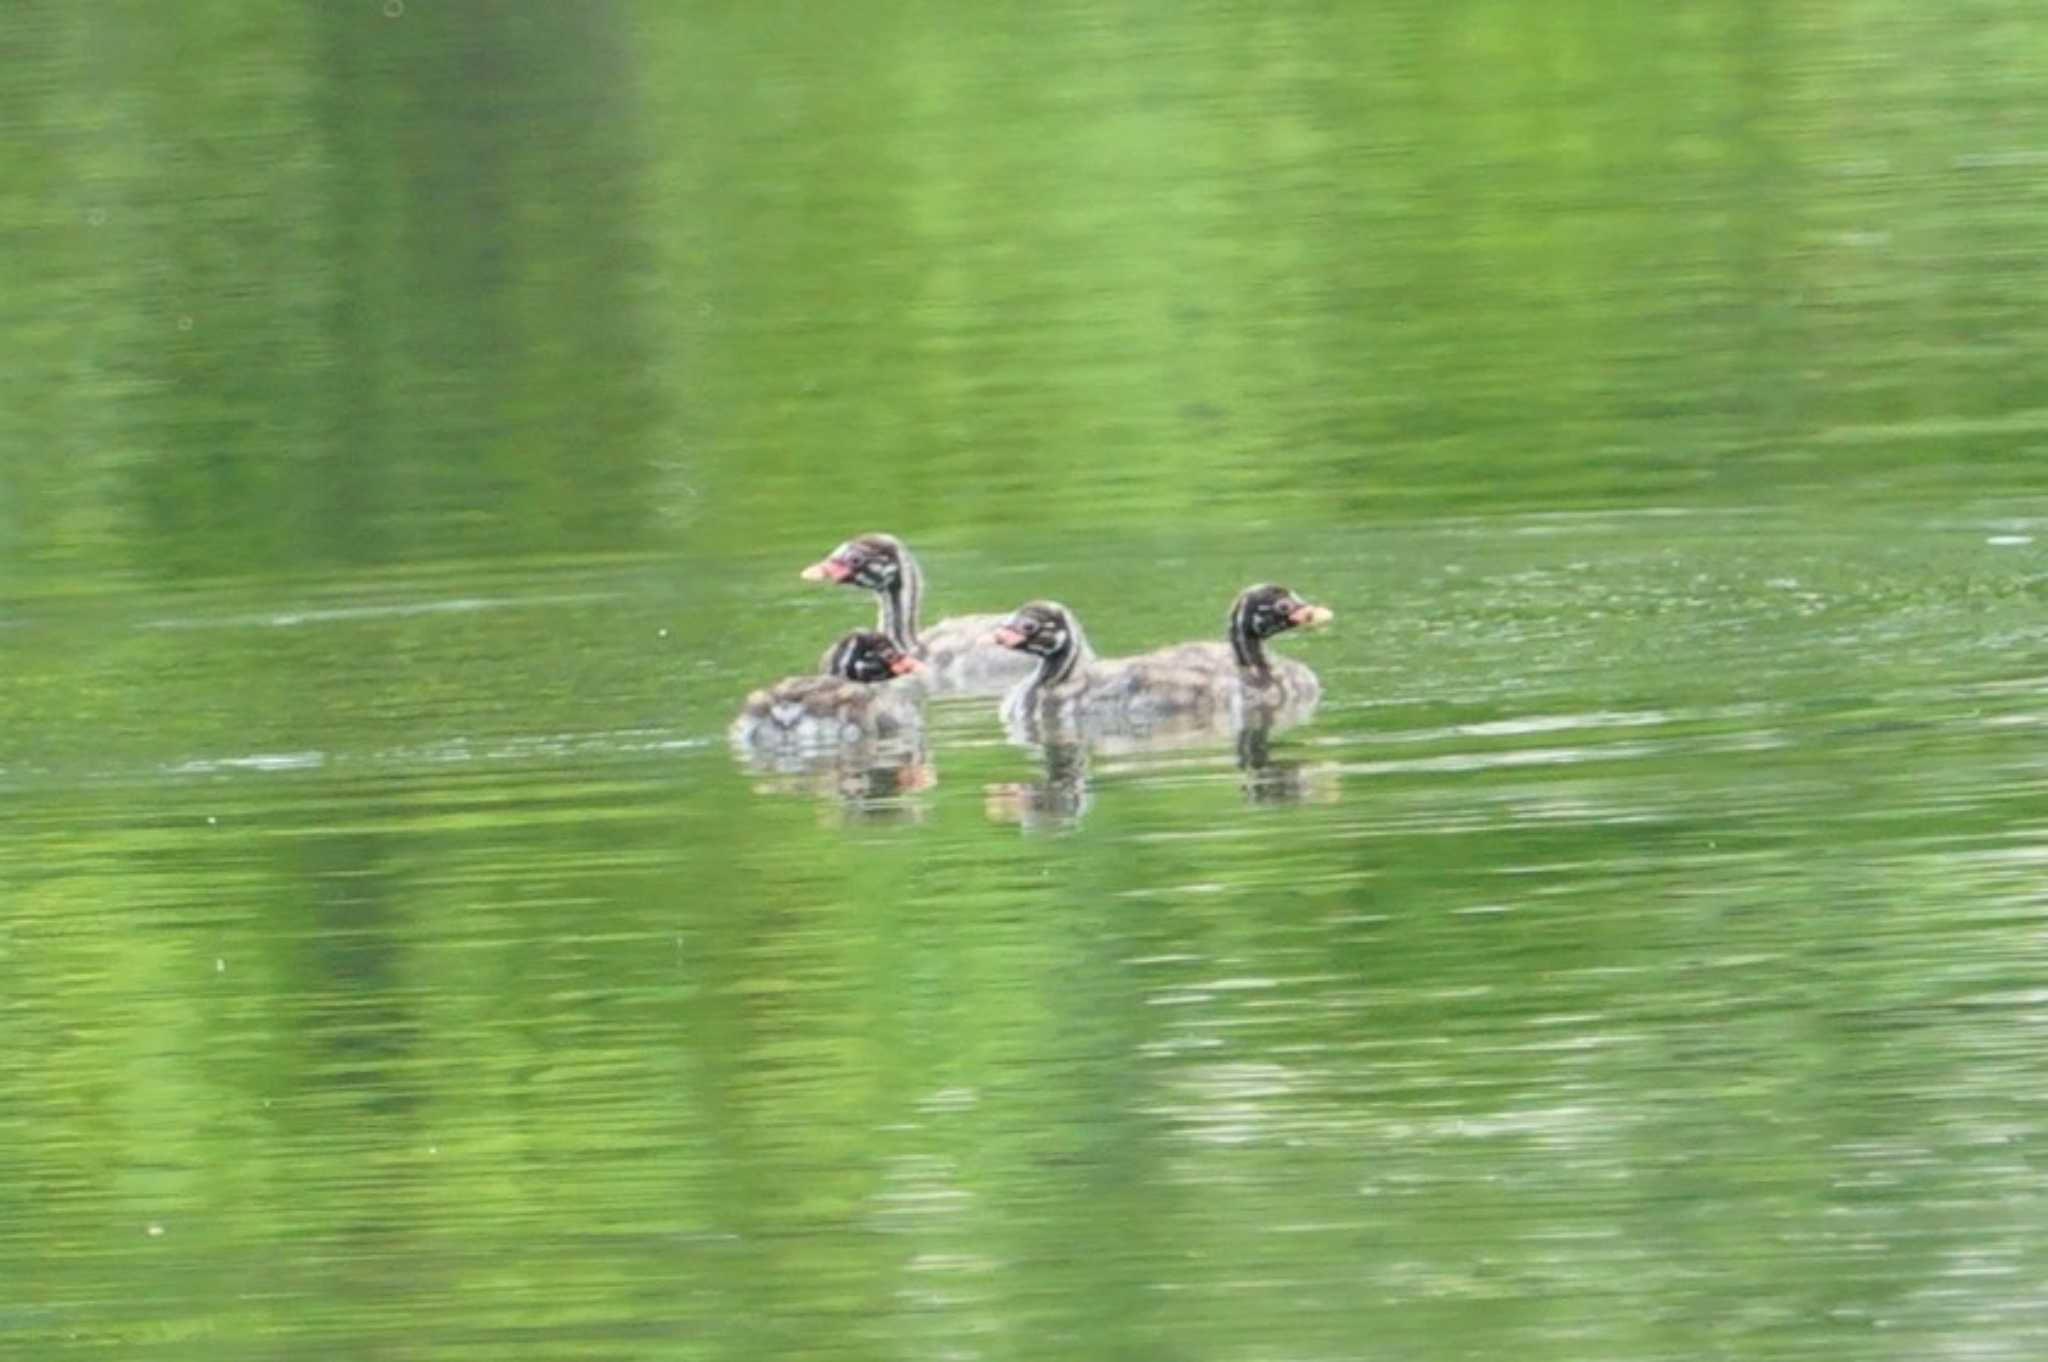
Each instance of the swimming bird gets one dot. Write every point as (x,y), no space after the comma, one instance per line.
(857,697)
(956,650)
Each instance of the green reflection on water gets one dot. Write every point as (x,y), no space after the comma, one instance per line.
(306,290)
(414,426)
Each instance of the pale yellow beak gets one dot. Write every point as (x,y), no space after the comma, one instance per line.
(1312,616)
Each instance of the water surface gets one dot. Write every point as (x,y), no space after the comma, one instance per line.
(420,414)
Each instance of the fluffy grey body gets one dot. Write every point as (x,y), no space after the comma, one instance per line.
(1072,689)
(1267,683)
(1192,686)
(855,698)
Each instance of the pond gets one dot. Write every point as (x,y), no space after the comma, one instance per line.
(424,413)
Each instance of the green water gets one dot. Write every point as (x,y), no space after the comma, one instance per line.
(413,418)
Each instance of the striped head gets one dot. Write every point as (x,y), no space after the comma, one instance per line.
(873,561)
(1260,612)
(869,658)
(1041,629)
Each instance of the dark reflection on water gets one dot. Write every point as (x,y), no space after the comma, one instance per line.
(869,779)
(1059,799)
(418,416)
(1063,796)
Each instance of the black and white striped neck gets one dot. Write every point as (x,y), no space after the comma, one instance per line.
(1248,648)
(1064,663)
(897,610)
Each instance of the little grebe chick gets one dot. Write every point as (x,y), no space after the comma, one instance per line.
(855,699)
(1072,687)
(1258,614)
